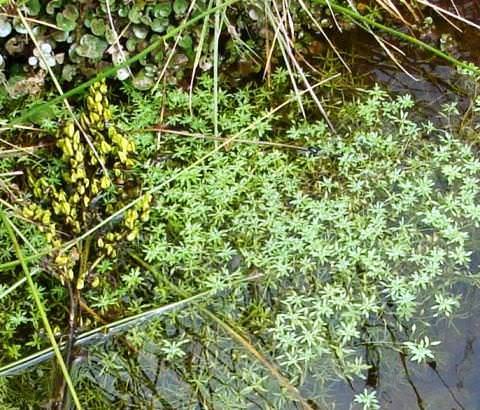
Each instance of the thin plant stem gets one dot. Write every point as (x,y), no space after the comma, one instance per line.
(41,309)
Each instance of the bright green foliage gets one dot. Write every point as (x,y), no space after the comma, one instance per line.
(371,233)
(361,239)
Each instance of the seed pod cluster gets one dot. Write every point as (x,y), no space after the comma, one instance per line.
(87,194)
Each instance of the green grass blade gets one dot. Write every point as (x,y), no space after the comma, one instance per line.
(198,54)
(110,71)
(41,309)
(216,41)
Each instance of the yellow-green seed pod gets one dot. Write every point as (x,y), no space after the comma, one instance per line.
(145,216)
(69,129)
(105,147)
(65,207)
(94,118)
(27,213)
(99,108)
(103,89)
(46,218)
(122,155)
(81,173)
(61,196)
(132,235)
(90,103)
(76,139)
(94,187)
(68,148)
(105,182)
(100,242)
(107,114)
(56,208)
(95,282)
(61,260)
(84,120)
(80,283)
(79,156)
(98,97)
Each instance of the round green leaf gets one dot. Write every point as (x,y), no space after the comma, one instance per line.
(33,7)
(91,47)
(68,72)
(140,31)
(64,23)
(70,12)
(134,15)
(186,43)
(131,44)
(97,26)
(159,25)
(162,10)
(180,6)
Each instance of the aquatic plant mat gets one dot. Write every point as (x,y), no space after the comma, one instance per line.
(273,260)
(208,205)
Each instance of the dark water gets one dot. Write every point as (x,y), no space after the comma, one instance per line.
(452,382)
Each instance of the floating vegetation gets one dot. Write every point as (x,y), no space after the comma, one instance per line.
(249,223)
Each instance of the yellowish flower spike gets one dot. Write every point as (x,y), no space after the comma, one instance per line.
(82,198)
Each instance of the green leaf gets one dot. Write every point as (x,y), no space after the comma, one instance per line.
(180,6)
(34,7)
(91,47)
(162,10)
(64,23)
(134,15)
(159,25)
(98,27)
(70,12)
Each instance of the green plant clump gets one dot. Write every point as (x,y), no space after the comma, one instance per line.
(353,237)
(372,231)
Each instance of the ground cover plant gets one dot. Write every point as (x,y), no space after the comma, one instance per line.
(338,255)
(238,246)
